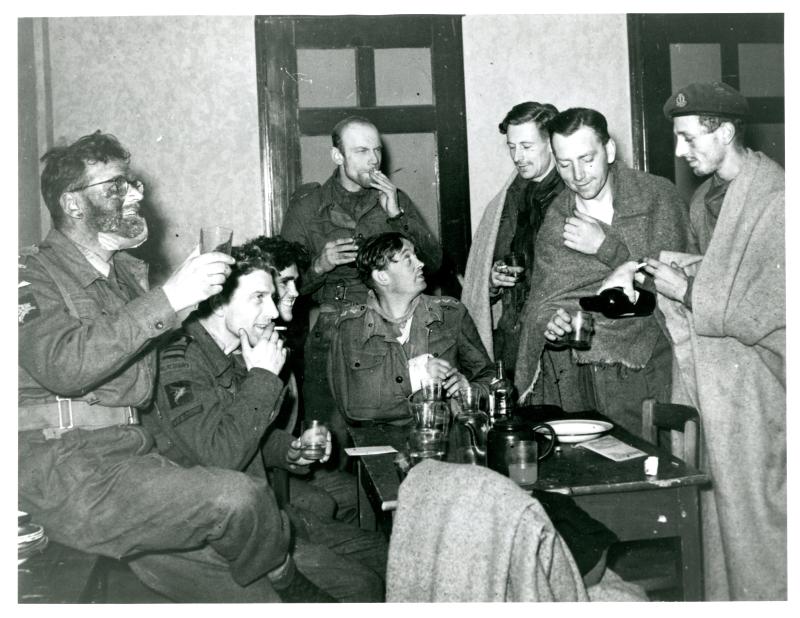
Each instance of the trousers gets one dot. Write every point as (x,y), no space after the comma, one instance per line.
(108,492)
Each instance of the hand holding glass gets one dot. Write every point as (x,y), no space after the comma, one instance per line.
(515,265)
(216,238)
(313,440)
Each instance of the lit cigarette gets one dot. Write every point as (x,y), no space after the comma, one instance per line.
(640,265)
(279,327)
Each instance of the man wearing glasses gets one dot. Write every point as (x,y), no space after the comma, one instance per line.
(88,473)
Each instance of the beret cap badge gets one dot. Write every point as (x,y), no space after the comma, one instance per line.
(680,100)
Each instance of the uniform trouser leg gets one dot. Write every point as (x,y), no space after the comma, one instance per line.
(343,488)
(620,390)
(104,492)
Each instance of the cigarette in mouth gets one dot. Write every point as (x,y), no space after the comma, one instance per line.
(279,327)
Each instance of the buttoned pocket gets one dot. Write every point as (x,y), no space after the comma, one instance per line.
(366,379)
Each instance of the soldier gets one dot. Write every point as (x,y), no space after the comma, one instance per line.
(331,220)
(219,391)
(88,471)
(382,348)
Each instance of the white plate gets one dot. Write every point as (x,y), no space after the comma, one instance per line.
(579,430)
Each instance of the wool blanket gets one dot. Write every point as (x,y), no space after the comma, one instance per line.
(730,352)
(649,215)
(475,293)
(468,534)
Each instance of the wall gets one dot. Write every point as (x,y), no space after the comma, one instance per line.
(567,60)
(180,94)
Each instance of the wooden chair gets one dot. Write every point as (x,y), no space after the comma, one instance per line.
(682,423)
(655,564)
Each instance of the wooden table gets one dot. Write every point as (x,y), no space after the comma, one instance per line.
(618,494)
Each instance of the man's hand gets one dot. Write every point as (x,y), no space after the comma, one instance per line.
(669,279)
(583,233)
(499,276)
(388,197)
(624,276)
(294,454)
(335,252)
(201,275)
(558,326)
(267,353)
(452,379)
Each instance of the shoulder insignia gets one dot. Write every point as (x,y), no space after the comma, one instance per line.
(351,312)
(177,347)
(27,308)
(305,189)
(179,393)
(447,301)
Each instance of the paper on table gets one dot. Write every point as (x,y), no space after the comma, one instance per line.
(611,447)
(355,451)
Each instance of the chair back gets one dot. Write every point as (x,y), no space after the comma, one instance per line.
(680,422)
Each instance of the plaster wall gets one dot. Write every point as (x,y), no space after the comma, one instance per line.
(180,93)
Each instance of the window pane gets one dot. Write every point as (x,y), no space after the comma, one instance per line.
(761,69)
(326,77)
(769,139)
(315,158)
(694,62)
(410,161)
(403,76)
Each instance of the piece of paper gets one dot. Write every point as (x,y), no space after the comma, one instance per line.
(369,450)
(611,447)
(418,370)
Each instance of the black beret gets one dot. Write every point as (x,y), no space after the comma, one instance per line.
(707,98)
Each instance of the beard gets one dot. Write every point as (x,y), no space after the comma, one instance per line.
(110,219)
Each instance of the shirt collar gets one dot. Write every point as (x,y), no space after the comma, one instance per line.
(71,256)
(425,311)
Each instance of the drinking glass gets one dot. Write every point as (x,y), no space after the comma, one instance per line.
(431,389)
(428,435)
(523,462)
(216,238)
(582,323)
(313,440)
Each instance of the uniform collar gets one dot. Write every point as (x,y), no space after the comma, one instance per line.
(218,360)
(71,256)
(329,199)
(426,311)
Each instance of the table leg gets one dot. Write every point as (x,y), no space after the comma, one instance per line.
(691,540)
(366,513)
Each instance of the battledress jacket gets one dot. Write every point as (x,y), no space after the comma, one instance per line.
(210,410)
(368,367)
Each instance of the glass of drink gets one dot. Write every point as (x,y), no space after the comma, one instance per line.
(431,389)
(426,443)
(580,337)
(216,238)
(313,440)
(523,462)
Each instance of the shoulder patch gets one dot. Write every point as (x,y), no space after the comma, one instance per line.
(27,309)
(179,393)
(177,347)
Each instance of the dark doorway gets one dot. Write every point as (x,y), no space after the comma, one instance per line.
(670,51)
(404,73)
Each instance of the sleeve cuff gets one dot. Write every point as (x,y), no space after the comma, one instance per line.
(153,313)
(613,252)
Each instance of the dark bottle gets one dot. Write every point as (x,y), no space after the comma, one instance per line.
(613,303)
(501,393)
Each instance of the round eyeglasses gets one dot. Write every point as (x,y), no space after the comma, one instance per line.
(119,188)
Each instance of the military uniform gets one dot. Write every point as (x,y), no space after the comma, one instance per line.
(89,338)
(210,410)
(315,217)
(368,369)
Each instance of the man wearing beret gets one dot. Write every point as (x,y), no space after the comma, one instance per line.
(726,312)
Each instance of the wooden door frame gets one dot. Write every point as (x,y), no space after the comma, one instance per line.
(281,121)
(650,79)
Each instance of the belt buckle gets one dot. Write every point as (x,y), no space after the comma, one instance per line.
(131,416)
(341,292)
(61,425)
